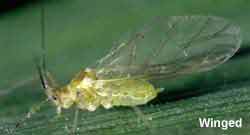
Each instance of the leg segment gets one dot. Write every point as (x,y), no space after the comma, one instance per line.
(74,129)
(145,119)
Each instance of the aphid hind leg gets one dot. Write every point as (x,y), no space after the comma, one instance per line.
(145,119)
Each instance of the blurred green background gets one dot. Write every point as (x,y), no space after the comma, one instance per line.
(78,32)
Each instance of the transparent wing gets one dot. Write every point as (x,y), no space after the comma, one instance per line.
(170,46)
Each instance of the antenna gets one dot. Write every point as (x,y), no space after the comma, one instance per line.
(46,79)
(41,62)
(43,47)
(41,67)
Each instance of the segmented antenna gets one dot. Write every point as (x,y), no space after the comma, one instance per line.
(43,37)
(41,75)
(41,62)
(42,71)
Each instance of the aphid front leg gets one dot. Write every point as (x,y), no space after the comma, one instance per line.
(58,114)
(32,111)
(76,114)
(75,122)
(58,110)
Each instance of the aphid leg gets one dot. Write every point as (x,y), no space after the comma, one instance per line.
(73,130)
(144,119)
(75,122)
(58,114)
(34,109)
(58,110)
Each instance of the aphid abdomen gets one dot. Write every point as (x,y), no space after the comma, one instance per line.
(130,92)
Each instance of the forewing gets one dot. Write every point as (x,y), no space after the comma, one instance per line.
(170,46)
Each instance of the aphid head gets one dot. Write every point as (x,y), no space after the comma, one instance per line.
(49,84)
(52,96)
(61,97)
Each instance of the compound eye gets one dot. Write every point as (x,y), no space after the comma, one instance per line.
(54,97)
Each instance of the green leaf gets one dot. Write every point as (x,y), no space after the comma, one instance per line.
(78,32)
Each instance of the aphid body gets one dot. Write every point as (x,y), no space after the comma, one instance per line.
(87,93)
